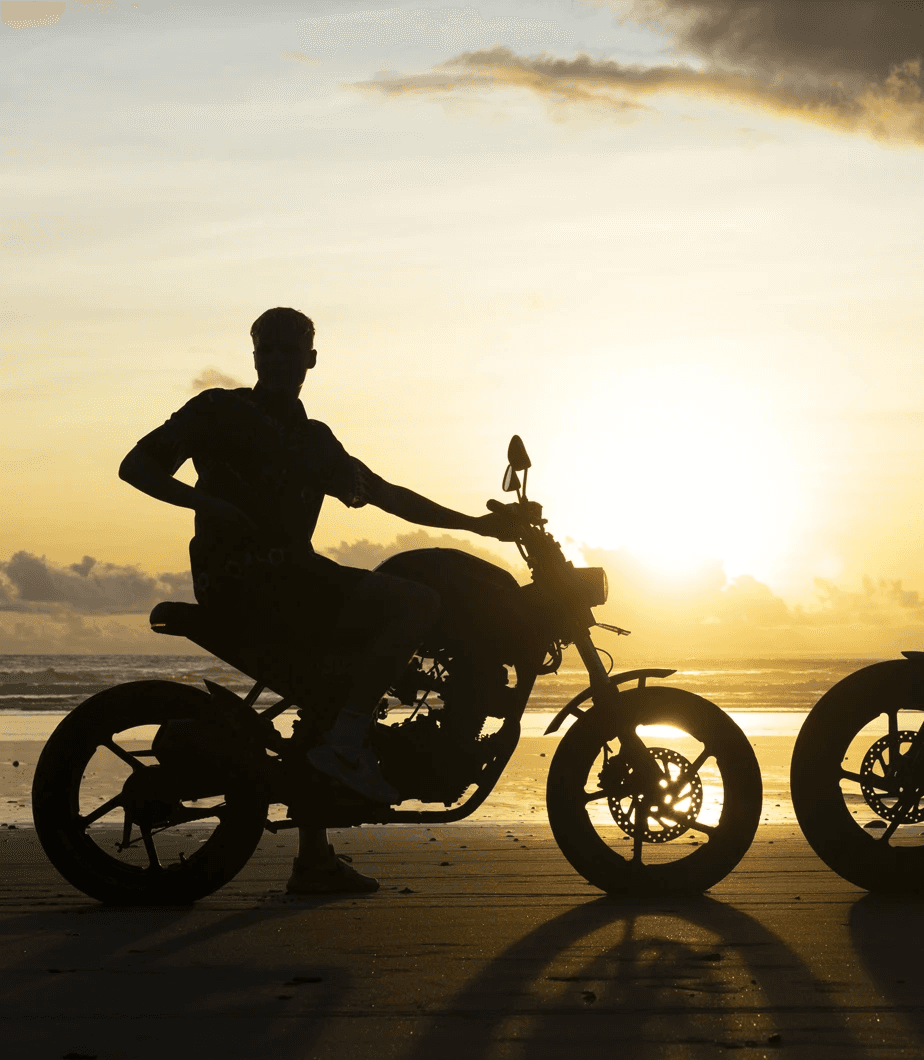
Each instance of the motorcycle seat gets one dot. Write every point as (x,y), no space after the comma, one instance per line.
(236,642)
(174,618)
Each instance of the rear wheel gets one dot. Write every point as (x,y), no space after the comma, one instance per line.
(124,827)
(685,827)
(857,777)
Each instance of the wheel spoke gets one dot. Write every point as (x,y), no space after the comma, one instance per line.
(199,814)
(696,766)
(101,811)
(591,796)
(127,757)
(846,774)
(126,830)
(884,784)
(889,831)
(706,829)
(153,860)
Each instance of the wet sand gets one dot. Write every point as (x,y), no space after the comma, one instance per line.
(482,944)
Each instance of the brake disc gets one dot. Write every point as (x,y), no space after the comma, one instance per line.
(878,771)
(662,814)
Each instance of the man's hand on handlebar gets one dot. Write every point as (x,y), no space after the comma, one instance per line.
(504,522)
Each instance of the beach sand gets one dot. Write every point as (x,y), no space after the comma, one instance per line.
(481,943)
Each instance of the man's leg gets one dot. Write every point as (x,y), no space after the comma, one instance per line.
(397,612)
(318,870)
(388,617)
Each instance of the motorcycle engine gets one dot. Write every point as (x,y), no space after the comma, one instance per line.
(438,752)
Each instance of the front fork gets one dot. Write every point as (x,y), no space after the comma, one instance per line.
(631,746)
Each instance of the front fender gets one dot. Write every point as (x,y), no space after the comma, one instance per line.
(615,680)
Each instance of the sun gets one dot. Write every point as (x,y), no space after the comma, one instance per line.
(698,469)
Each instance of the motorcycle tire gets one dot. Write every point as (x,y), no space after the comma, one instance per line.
(686,836)
(858,800)
(161,837)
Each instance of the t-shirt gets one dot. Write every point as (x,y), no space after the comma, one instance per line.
(275,466)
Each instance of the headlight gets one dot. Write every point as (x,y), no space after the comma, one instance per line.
(591,585)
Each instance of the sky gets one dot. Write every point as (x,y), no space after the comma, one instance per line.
(675,245)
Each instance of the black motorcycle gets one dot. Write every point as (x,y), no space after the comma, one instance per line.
(650,789)
(857,776)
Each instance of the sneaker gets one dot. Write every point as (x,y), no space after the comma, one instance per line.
(329,876)
(357,769)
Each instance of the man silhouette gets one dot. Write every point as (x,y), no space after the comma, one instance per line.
(263,471)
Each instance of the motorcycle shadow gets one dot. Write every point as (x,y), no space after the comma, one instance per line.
(688,977)
(887,932)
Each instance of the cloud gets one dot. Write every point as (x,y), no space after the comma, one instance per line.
(66,632)
(707,612)
(855,67)
(30,583)
(879,603)
(367,555)
(853,40)
(214,377)
(94,606)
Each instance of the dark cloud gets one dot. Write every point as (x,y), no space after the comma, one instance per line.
(851,66)
(84,567)
(30,583)
(31,579)
(213,377)
(856,40)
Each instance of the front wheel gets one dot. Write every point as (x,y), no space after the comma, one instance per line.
(685,826)
(125,827)
(857,777)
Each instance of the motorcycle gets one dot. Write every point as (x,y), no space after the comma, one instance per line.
(651,788)
(857,776)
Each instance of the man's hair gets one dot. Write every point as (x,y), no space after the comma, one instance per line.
(284,324)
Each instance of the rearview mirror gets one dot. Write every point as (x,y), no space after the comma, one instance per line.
(517,457)
(511,480)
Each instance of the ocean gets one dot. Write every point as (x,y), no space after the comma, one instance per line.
(768,698)
(57,683)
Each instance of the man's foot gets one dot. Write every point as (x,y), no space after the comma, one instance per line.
(357,769)
(330,875)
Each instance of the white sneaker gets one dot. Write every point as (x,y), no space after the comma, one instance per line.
(358,769)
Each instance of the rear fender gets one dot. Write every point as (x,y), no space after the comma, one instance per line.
(641,676)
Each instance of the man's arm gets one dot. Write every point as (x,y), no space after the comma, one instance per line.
(142,471)
(406,504)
